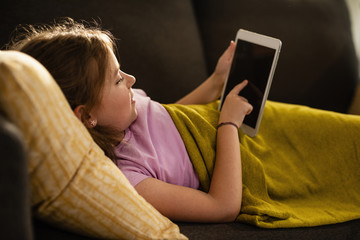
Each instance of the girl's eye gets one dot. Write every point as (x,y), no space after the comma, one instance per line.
(120,80)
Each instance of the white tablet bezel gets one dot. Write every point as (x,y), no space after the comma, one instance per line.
(265,41)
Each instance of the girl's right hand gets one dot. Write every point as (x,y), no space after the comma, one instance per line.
(235,107)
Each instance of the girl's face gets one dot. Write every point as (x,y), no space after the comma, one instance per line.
(117,106)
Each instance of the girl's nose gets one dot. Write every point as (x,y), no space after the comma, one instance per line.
(130,80)
(133,80)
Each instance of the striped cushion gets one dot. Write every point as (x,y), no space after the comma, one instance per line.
(73,184)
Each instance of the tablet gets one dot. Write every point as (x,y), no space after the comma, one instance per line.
(255,60)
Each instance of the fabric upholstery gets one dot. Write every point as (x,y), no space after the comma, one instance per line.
(15,217)
(317,66)
(158,40)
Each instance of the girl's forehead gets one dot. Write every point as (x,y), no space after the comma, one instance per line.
(112,65)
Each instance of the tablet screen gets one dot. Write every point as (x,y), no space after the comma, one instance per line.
(252,62)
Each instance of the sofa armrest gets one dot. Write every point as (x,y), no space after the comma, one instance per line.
(15,215)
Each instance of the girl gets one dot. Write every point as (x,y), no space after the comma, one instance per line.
(137,133)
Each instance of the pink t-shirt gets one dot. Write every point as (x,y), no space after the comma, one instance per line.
(152,147)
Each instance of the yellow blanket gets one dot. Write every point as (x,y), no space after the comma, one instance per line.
(302,169)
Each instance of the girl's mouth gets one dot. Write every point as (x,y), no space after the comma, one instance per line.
(132,96)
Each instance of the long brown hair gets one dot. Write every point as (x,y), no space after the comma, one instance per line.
(67,48)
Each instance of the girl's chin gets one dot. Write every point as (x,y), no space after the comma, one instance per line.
(135,114)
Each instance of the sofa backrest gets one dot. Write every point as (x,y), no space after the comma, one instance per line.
(172,46)
(317,65)
(158,40)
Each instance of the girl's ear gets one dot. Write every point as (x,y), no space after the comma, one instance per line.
(85,118)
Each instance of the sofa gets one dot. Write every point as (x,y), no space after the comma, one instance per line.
(171,47)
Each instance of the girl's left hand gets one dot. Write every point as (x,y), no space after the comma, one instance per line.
(223,66)
(210,90)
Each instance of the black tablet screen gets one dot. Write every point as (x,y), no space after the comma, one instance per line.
(251,62)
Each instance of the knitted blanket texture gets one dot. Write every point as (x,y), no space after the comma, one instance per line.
(301,170)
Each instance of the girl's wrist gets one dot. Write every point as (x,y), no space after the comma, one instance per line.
(217,83)
(221,124)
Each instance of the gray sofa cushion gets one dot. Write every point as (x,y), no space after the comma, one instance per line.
(15,214)
(158,43)
(317,64)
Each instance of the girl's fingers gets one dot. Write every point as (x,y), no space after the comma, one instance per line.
(230,51)
(232,47)
(237,89)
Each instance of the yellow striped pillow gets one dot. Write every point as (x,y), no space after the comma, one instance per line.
(73,184)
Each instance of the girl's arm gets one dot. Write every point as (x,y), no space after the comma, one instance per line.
(223,201)
(210,89)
